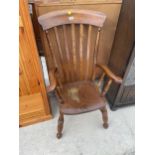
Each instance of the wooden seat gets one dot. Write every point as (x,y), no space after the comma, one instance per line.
(72,38)
(80,97)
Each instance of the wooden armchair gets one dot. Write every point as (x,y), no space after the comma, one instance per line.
(73,37)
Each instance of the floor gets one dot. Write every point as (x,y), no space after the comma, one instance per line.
(82,135)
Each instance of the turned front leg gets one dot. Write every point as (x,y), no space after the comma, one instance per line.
(60,125)
(105,117)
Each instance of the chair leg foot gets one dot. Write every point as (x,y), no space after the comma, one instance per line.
(60,125)
(105,125)
(59,135)
(105,117)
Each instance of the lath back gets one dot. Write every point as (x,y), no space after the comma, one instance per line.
(73,40)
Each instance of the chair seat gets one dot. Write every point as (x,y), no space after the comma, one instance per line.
(81,97)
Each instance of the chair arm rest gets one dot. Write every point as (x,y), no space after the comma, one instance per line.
(52,79)
(110,74)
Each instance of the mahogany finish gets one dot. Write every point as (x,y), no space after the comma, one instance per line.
(75,16)
(80,97)
(75,62)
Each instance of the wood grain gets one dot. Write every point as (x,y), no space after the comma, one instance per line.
(71,16)
(20,22)
(31,80)
(88,51)
(123,45)
(110,8)
(78,62)
(44,3)
(76,92)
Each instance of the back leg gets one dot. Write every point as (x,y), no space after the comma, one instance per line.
(105,117)
(60,125)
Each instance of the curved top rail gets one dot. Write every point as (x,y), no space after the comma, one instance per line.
(73,16)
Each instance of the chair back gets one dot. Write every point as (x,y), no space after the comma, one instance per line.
(73,37)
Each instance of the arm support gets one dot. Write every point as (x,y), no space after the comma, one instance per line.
(52,79)
(110,74)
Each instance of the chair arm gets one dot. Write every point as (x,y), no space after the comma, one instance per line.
(110,74)
(52,79)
